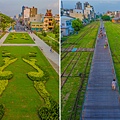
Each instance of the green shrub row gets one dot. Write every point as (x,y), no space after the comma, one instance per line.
(40,87)
(2,111)
(31,54)
(3,84)
(7,54)
(51,109)
(51,113)
(6,75)
(41,75)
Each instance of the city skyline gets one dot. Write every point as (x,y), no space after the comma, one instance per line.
(99,6)
(14,7)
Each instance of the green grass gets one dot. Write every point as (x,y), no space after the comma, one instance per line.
(113,34)
(20,98)
(50,42)
(70,88)
(51,35)
(19,38)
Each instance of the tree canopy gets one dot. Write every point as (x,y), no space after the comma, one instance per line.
(106,18)
(77,24)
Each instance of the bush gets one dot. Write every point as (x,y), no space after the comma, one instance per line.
(3,84)
(35,76)
(6,75)
(49,113)
(6,54)
(40,87)
(2,111)
(32,54)
(41,75)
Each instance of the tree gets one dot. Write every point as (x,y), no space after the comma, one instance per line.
(77,24)
(106,18)
(56,29)
(44,33)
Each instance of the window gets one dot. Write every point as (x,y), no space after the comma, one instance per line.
(63,24)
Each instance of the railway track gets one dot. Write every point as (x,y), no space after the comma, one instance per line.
(63,81)
(83,76)
(72,45)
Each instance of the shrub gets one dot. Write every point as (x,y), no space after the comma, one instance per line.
(49,113)
(3,84)
(6,75)
(6,54)
(40,87)
(2,111)
(35,76)
(32,54)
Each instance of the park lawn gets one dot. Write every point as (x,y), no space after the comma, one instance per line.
(18,38)
(113,34)
(20,98)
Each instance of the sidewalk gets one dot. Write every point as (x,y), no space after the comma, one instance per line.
(3,38)
(53,57)
(101,102)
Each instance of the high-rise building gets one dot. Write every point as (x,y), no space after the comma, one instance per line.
(33,11)
(79,5)
(23,7)
(61,4)
(86,4)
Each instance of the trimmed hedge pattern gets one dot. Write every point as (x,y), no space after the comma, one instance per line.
(49,113)
(3,84)
(41,75)
(51,109)
(2,111)
(40,87)
(6,75)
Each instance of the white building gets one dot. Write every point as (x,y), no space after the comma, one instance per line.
(26,15)
(77,13)
(66,25)
(37,18)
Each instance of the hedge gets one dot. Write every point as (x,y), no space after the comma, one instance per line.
(40,87)
(2,111)
(6,75)
(49,113)
(3,84)
(41,75)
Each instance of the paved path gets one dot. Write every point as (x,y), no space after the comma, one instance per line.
(3,38)
(101,102)
(52,57)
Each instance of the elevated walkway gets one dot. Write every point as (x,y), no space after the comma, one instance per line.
(101,102)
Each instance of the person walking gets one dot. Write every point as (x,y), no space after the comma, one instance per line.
(114,84)
(50,49)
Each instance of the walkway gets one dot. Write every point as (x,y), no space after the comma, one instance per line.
(52,57)
(101,102)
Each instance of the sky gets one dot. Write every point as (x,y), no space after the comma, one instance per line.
(14,7)
(101,6)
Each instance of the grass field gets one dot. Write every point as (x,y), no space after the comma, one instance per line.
(20,98)
(113,34)
(19,38)
(70,88)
